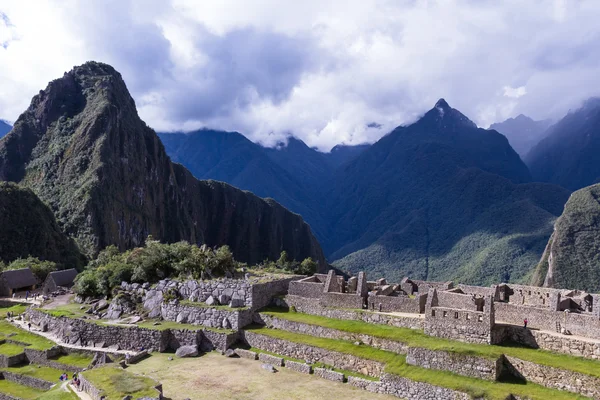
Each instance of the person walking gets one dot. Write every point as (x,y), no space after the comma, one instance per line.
(26,295)
(525,323)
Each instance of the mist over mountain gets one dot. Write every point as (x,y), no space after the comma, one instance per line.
(438,199)
(83,150)
(5,127)
(522,132)
(568,156)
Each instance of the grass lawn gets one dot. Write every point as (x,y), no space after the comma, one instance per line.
(59,393)
(35,342)
(212,376)
(116,383)
(20,391)
(74,359)
(396,364)
(71,310)
(10,349)
(36,371)
(16,310)
(416,338)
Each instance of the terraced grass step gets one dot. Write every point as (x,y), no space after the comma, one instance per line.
(417,338)
(116,383)
(78,360)
(39,372)
(19,391)
(10,349)
(396,365)
(35,342)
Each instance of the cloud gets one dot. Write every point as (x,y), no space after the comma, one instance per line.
(323,71)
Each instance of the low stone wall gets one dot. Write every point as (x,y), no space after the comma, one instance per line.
(555,378)
(4,396)
(250,355)
(306,289)
(406,389)
(342,300)
(9,361)
(585,325)
(45,358)
(298,367)
(476,367)
(319,331)
(267,358)
(27,380)
(312,306)
(314,354)
(262,293)
(406,304)
(206,316)
(463,325)
(329,374)
(211,340)
(547,341)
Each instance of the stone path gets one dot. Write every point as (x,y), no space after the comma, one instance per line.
(401,314)
(82,395)
(48,335)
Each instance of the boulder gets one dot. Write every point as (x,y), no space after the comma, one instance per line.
(211,301)
(226,324)
(101,305)
(237,302)
(223,299)
(229,353)
(187,351)
(268,367)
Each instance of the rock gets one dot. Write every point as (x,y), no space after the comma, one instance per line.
(187,351)
(237,302)
(229,353)
(223,299)
(81,307)
(156,323)
(170,358)
(135,319)
(268,367)
(101,305)
(226,324)
(211,301)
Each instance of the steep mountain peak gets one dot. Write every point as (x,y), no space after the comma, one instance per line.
(443,104)
(446,117)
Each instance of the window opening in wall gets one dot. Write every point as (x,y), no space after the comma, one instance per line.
(530,292)
(547,294)
(433,313)
(445,313)
(481,318)
(468,317)
(455,315)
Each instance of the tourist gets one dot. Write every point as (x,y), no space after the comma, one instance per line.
(26,295)
(14,295)
(525,323)
(29,325)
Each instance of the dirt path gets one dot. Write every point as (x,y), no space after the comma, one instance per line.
(81,395)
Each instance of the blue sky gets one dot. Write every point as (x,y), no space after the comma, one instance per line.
(320,70)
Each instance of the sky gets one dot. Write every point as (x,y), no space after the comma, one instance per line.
(325,71)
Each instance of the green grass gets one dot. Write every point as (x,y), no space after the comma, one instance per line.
(36,371)
(35,342)
(116,383)
(79,360)
(396,364)
(10,349)
(70,310)
(16,310)
(19,391)
(57,393)
(417,338)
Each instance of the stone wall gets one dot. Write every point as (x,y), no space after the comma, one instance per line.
(217,340)
(313,306)
(27,380)
(273,360)
(480,291)
(250,355)
(556,378)
(45,357)
(206,316)
(319,331)
(313,354)
(329,374)
(578,324)
(9,361)
(342,300)
(547,341)
(262,293)
(466,326)
(476,367)
(459,301)
(406,304)
(298,366)
(531,295)
(306,289)
(406,389)
(4,396)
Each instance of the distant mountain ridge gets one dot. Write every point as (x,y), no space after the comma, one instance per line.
(5,127)
(82,148)
(522,132)
(568,156)
(438,199)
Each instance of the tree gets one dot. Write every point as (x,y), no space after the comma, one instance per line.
(307,267)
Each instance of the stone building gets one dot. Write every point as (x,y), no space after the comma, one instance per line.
(16,280)
(56,279)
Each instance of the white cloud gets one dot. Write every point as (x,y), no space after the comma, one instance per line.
(321,70)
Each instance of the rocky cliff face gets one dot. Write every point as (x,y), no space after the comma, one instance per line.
(28,228)
(572,257)
(82,148)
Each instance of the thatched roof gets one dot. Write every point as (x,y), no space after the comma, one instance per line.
(19,278)
(64,277)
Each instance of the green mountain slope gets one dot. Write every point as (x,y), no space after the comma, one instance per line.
(28,228)
(572,256)
(82,148)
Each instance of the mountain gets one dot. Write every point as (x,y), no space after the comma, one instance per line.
(440,199)
(341,154)
(4,128)
(522,132)
(572,257)
(568,156)
(28,228)
(82,148)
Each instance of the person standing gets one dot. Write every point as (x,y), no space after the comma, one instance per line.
(525,323)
